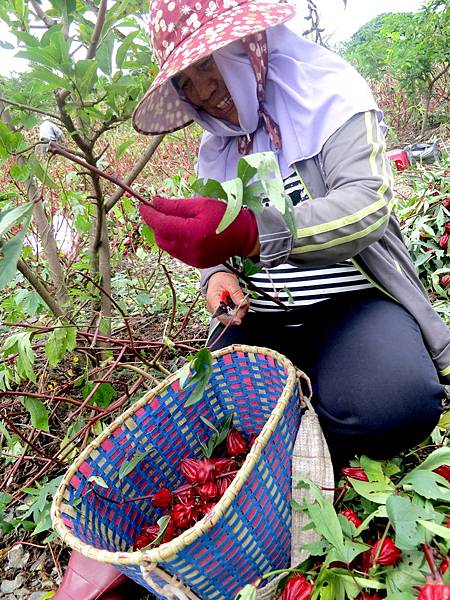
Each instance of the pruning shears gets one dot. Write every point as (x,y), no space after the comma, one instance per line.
(226,305)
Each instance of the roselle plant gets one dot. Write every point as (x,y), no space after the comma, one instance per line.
(385,536)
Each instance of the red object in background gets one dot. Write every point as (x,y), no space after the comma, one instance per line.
(399,158)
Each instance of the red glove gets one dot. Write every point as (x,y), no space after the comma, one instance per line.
(186,229)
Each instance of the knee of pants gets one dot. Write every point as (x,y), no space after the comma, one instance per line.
(402,415)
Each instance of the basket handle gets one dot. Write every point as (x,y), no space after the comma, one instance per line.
(172,588)
(302,378)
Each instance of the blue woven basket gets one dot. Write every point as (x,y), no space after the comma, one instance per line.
(248,531)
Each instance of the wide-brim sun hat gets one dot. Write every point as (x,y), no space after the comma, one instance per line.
(184,32)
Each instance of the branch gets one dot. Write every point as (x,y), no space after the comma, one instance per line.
(39,287)
(30,108)
(439,75)
(69,124)
(41,14)
(98,29)
(57,149)
(135,172)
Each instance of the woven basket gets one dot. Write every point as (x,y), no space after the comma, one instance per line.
(247,533)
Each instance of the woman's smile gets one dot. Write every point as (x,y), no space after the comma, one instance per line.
(204,87)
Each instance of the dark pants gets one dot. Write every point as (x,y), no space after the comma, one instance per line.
(376,390)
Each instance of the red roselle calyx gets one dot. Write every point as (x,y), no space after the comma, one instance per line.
(367,596)
(447,227)
(197,471)
(434,590)
(355,473)
(223,483)
(208,490)
(223,465)
(443,471)
(150,533)
(185,497)
(297,588)
(184,516)
(443,567)
(445,280)
(388,555)
(235,443)
(443,241)
(351,516)
(162,498)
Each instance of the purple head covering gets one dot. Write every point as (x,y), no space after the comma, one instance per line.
(310,92)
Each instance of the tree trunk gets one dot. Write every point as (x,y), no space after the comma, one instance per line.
(426,110)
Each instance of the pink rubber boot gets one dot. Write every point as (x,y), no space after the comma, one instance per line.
(88,579)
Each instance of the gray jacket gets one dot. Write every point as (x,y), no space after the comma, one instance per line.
(348,215)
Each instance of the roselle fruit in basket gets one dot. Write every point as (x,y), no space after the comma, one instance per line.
(149,534)
(207,480)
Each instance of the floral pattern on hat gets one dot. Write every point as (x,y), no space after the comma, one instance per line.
(185,31)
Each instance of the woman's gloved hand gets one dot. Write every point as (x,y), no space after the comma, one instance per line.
(226,282)
(186,229)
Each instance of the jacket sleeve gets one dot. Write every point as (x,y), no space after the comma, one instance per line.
(354,210)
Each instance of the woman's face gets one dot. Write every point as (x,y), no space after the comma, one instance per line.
(204,87)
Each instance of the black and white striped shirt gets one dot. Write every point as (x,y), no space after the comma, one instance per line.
(299,286)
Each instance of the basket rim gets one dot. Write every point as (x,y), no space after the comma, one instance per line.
(166,551)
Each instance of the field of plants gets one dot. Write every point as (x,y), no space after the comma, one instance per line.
(93,314)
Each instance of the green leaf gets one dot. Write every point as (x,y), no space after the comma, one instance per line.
(443,532)
(234,191)
(373,491)
(86,75)
(60,341)
(123,147)
(373,469)
(325,519)
(38,412)
(124,47)
(20,343)
(54,81)
(403,515)
(409,572)
(209,188)
(439,457)
(99,481)
(10,253)
(444,421)
(103,395)
(104,53)
(14,216)
(37,170)
(245,171)
(127,466)
(19,172)
(201,366)
(427,484)
(248,592)
(149,235)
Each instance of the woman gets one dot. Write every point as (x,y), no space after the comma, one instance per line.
(358,316)
(358,321)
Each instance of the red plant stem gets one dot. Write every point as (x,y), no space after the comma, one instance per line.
(125,318)
(57,149)
(97,385)
(430,560)
(183,488)
(341,494)
(28,442)
(109,410)
(46,397)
